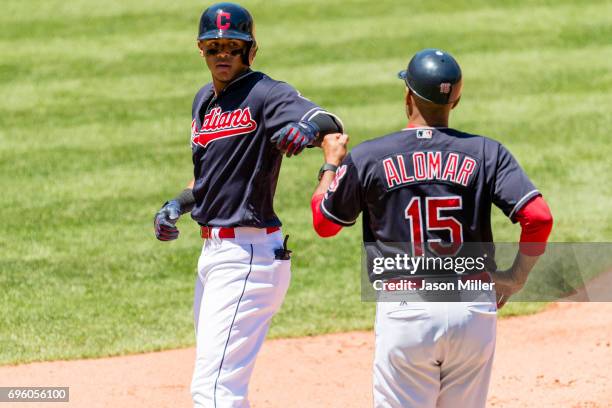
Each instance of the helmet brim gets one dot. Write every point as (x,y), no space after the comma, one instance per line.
(229,34)
(403,74)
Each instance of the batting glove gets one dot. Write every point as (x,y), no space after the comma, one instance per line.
(165,221)
(294,137)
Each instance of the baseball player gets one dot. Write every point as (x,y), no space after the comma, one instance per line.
(432,186)
(243,122)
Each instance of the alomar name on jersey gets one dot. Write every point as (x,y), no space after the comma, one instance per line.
(218,125)
(426,166)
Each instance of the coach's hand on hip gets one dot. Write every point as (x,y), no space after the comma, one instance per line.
(334,148)
(506,285)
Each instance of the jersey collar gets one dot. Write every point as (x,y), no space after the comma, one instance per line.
(238,78)
(415,126)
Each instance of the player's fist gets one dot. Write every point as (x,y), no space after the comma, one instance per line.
(165,221)
(294,137)
(335,148)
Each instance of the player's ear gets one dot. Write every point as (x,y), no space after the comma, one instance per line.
(200,45)
(456,102)
(408,100)
(409,97)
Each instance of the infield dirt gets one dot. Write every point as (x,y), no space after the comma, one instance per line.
(558,358)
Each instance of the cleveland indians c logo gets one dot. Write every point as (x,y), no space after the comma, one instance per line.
(223,25)
(219,125)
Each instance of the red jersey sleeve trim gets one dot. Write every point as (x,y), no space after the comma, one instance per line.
(536,224)
(322,225)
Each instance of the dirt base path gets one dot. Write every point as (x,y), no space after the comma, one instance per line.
(559,358)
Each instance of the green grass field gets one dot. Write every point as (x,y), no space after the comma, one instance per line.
(95,102)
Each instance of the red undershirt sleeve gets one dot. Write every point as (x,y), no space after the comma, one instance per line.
(536,223)
(323,226)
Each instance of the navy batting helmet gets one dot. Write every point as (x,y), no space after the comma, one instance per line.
(434,75)
(228,20)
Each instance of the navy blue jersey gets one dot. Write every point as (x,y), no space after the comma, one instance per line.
(427,185)
(236,167)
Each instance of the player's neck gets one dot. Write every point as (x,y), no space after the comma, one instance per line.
(219,85)
(428,117)
(417,120)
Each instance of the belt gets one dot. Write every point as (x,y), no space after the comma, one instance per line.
(228,232)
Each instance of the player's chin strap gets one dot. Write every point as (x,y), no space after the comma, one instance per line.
(327,123)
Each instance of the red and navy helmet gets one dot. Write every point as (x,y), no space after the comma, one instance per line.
(226,20)
(434,75)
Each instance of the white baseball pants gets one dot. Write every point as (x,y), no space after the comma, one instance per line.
(240,286)
(433,354)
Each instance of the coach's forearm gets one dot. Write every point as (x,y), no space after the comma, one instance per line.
(323,226)
(325,182)
(517,275)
